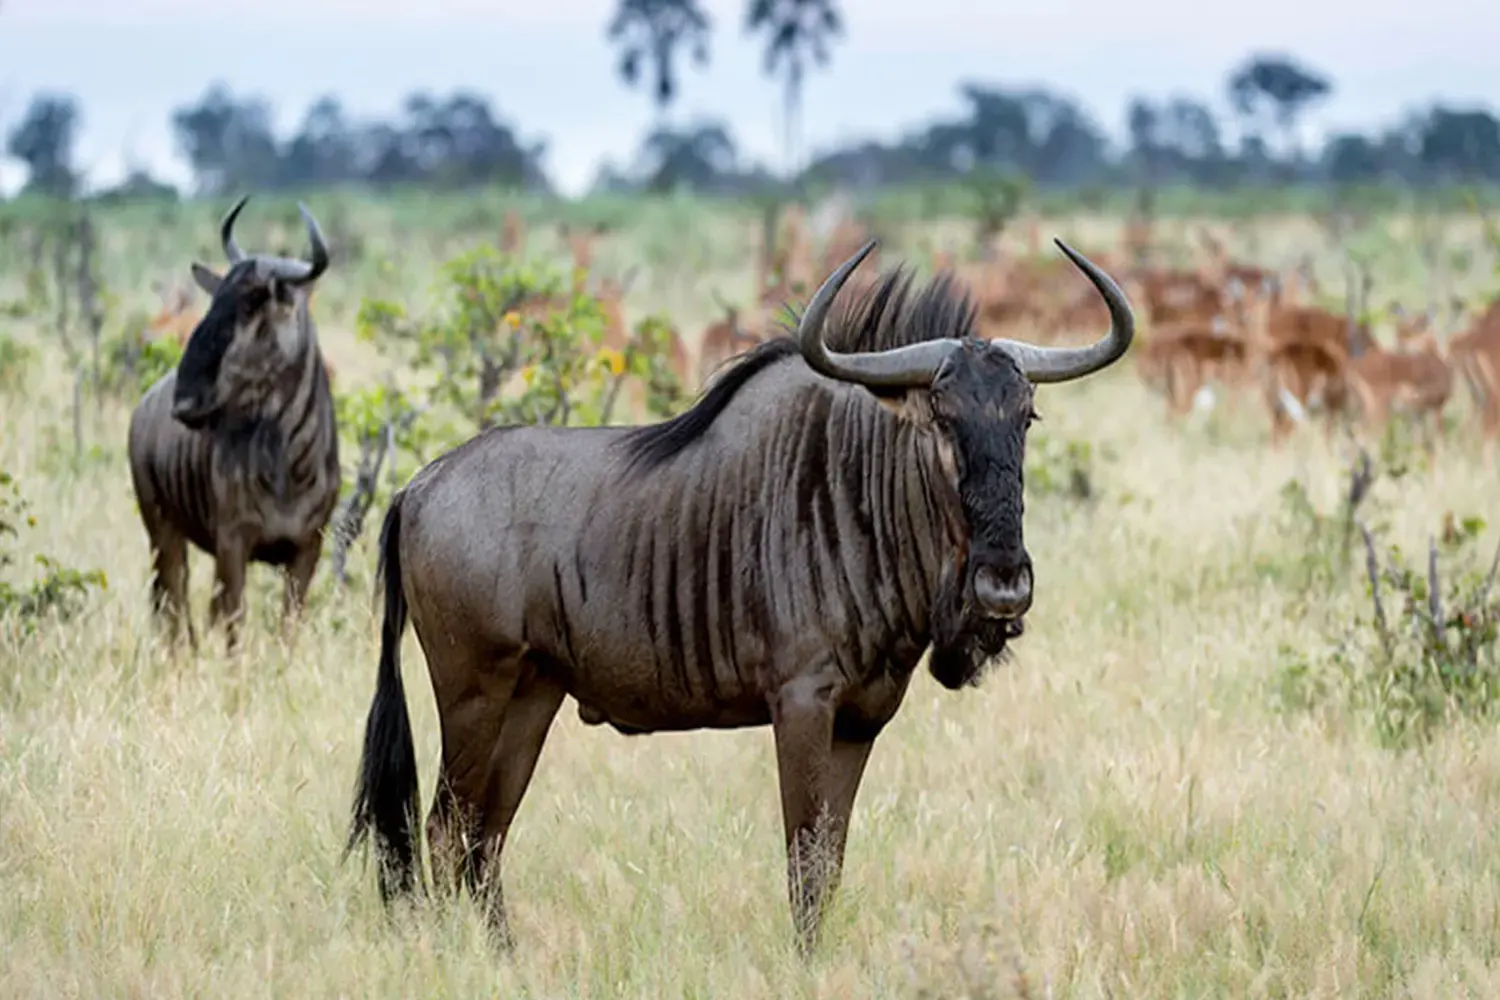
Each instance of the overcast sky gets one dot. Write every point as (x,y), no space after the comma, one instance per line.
(548,68)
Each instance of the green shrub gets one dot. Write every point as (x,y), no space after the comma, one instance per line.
(59,589)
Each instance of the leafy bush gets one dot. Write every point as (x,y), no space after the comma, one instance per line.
(1429,644)
(156,358)
(1424,652)
(132,361)
(383,424)
(499,321)
(1320,544)
(59,589)
(997,198)
(507,342)
(14,358)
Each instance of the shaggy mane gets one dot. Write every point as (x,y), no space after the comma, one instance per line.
(888,313)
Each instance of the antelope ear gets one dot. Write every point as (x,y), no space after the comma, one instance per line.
(206,279)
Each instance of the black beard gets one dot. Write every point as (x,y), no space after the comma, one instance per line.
(964,646)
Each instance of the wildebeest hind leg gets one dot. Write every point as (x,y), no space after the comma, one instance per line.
(473,692)
(523,731)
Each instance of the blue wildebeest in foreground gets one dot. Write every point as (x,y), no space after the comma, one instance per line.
(236,451)
(781,553)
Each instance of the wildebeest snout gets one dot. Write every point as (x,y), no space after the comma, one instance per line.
(1003,591)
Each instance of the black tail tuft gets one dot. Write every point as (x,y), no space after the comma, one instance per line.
(387,798)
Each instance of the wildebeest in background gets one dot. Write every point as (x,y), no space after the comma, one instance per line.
(236,450)
(781,553)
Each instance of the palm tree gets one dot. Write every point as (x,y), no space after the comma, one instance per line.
(795,30)
(652,30)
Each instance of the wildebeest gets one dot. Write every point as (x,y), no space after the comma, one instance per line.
(236,450)
(783,552)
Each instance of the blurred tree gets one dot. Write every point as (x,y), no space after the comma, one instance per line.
(458,142)
(1271,87)
(652,31)
(139,185)
(44,142)
(227,141)
(1041,134)
(1193,135)
(698,157)
(1173,141)
(1350,158)
(796,31)
(324,148)
(1460,146)
(1145,147)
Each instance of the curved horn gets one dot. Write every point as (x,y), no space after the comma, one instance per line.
(226,232)
(1063,364)
(912,366)
(297,272)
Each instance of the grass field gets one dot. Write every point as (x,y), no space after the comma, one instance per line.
(1126,808)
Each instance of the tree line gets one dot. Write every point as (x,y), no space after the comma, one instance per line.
(461,140)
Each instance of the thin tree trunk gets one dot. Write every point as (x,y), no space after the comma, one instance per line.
(789,126)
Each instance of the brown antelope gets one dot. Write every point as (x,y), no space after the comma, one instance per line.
(1414,378)
(792,264)
(1304,352)
(176,318)
(725,338)
(581,241)
(1476,355)
(1181,358)
(513,233)
(846,239)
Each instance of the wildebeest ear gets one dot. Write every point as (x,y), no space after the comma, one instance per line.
(206,279)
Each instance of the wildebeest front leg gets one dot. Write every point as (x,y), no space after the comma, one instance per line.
(169,584)
(227,606)
(819,778)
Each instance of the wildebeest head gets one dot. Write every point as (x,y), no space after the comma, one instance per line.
(976,398)
(255,328)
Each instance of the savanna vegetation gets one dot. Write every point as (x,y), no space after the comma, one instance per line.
(1219,763)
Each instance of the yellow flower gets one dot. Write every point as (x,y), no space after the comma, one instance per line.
(528,374)
(512,319)
(613,360)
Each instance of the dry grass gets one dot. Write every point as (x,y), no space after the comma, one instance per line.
(1121,810)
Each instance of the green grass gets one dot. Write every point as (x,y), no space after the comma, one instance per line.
(1122,810)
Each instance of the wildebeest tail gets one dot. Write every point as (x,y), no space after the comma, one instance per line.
(386,799)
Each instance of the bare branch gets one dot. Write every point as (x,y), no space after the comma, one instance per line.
(1372,568)
(1484,592)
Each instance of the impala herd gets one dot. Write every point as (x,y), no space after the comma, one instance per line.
(1224,327)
